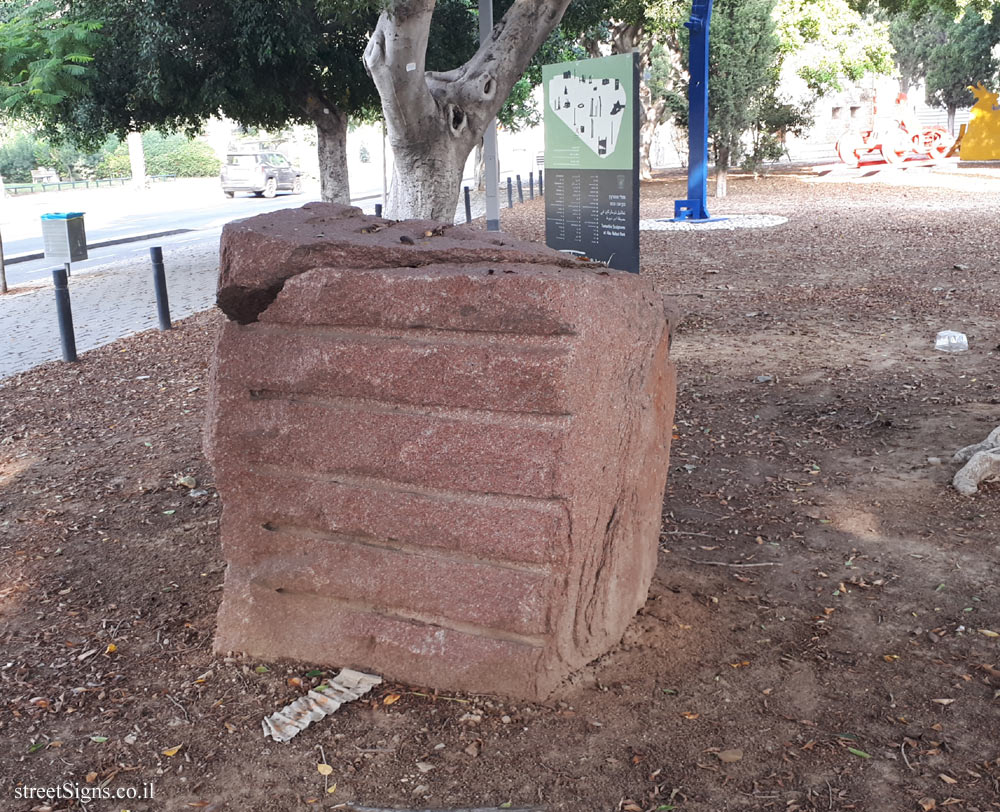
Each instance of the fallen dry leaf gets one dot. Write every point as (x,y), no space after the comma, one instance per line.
(324,769)
(730,756)
(91,777)
(947,779)
(689,715)
(943,701)
(927,804)
(170,752)
(989,633)
(391,699)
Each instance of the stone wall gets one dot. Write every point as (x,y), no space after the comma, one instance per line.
(441,453)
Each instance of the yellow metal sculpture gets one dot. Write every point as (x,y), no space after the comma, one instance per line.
(982,137)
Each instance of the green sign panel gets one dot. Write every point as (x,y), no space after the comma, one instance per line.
(592,159)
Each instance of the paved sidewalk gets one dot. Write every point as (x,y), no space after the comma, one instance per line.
(116,299)
(109,302)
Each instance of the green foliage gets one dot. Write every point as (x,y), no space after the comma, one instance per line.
(44,57)
(962,56)
(519,112)
(744,68)
(920,7)
(165,155)
(24,151)
(913,39)
(170,65)
(775,121)
(17,159)
(667,84)
(829,41)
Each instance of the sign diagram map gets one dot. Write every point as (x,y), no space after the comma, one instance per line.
(592,108)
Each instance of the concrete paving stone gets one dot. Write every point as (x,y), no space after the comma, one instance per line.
(109,302)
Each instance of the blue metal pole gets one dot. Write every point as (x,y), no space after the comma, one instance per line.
(694,207)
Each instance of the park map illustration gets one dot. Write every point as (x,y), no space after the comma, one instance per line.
(592,108)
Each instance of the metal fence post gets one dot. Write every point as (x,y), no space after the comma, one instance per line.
(531,185)
(3,269)
(64,314)
(520,190)
(160,287)
(468,206)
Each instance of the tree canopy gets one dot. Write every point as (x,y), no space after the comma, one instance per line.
(961,56)
(44,57)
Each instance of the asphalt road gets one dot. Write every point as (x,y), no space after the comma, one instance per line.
(199,210)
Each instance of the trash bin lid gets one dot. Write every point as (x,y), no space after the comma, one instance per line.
(68,215)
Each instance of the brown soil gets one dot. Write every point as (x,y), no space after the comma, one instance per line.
(820,606)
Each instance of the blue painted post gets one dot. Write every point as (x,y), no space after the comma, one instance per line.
(694,207)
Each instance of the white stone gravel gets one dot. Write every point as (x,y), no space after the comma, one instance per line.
(730,223)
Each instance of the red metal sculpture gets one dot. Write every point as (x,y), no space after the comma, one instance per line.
(894,138)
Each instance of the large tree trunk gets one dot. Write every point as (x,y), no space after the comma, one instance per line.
(951,118)
(480,164)
(722,172)
(137,159)
(435,119)
(331,145)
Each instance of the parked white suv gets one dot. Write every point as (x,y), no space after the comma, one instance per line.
(262,173)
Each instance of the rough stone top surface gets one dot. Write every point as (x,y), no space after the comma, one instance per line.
(261,253)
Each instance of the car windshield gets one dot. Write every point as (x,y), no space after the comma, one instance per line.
(242,160)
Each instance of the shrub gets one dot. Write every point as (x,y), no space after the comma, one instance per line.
(165,155)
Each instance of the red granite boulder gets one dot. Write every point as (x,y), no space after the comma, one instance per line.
(441,461)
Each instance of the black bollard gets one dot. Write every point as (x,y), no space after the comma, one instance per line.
(64,314)
(541,187)
(531,185)
(378,209)
(520,190)
(160,287)
(468,206)
(510,194)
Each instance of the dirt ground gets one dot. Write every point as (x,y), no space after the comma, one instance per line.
(821,633)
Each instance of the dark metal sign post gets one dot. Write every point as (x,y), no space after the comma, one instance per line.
(3,270)
(694,209)
(64,314)
(160,287)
